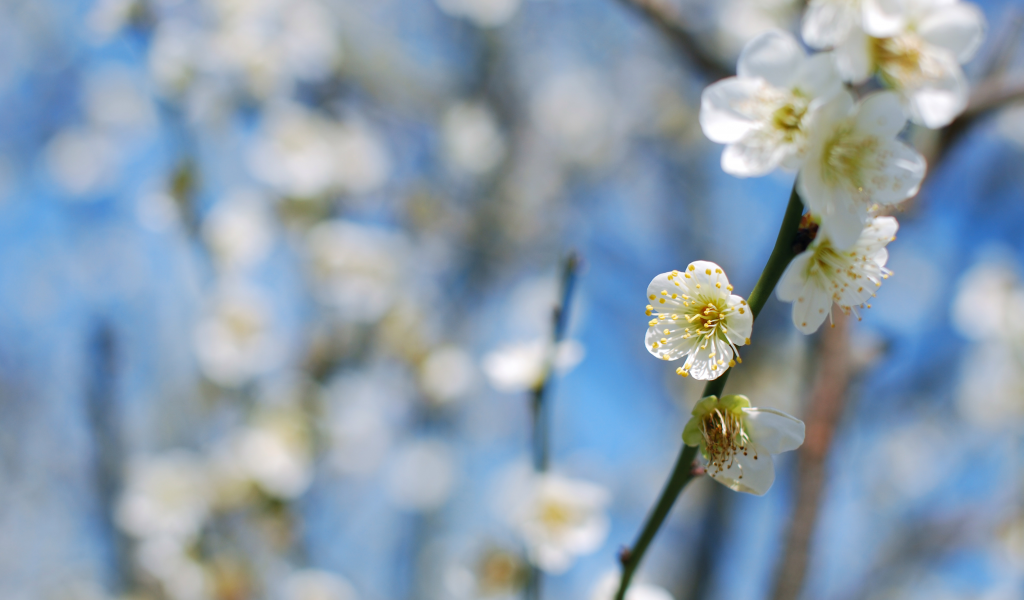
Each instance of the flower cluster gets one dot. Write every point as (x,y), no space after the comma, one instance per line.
(786,108)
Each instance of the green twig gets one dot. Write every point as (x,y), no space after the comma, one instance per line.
(683,472)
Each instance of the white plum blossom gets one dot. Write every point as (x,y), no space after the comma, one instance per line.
(737,441)
(423,475)
(916,46)
(821,275)
(854,162)
(236,342)
(560,519)
(696,316)
(765,113)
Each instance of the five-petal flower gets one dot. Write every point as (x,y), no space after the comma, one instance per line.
(696,315)
(855,162)
(821,275)
(737,441)
(764,113)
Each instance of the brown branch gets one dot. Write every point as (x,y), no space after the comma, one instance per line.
(827,401)
(665,17)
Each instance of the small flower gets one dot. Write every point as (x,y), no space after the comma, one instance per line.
(855,162)
(821,275)
(608,585)
(695,315)
(520,367)
(738,441)
(763,113)
(829,23)
(561,519)
(165,496)
(313,584)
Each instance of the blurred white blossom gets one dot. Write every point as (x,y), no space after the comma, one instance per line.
(575,111)
(560,519)
(472,140)
(697,317)
(447,374)
(239,229)
(519,367)
(275,451)
(312,584)
(235,342)
(181,576)
(84,161)
(357,268)
(855,162)
(165,496)
(989,302)
(821,275)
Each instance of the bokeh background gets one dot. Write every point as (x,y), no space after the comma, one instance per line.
(276,277)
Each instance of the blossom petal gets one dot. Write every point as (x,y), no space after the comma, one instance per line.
(791,284)
(753,157)
(723,107)
(883,18)
(844,222)
(707,278)
(827,23)
(753,473)
(819,76)
(811,307)
(896,175)
(740,322)
(774,56)
(669,346)
(939,99)
(877,235)
(704,365)
(665,293)
(959,28)
(774,430)
(881,114)
(853,57)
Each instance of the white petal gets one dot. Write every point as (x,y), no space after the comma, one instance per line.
(883,18)
(774,56)
(724,107)
(881,114)
(819,76)
(665,295)
(939,99)
(774,430)
(845,222)
(896,175)
(853,57)
(674,346)
(877,234)
(707,274)
(755,156)
(747,473)
(740,322)
(704,366)
(811,307)
(959,28)
(827,23)
(791,284)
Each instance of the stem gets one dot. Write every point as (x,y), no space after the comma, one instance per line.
(539,405)
(682,473)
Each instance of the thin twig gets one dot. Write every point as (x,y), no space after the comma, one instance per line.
(781,255)
(540,404)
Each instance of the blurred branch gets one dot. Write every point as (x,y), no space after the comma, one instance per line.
(664,16)
(826,406)
(781,255)
(102,414)
(540,404)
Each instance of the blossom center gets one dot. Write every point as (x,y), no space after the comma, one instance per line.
(724,439)
(903,60)
(556,515)
(847,157)
(787,119)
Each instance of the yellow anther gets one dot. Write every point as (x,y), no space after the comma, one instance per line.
(698,286)
(664,357)
(746,342)
(719,271)
(664,293)
(707,271)
(667,332)
(664,341)
(714,367)
(739,360)
(661,300)
(652,296)
(674,296)
(729,287)
(718,285)
(732,363)
(649,307)
(742,311)
(691,268)
(687,275)
(652,322)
